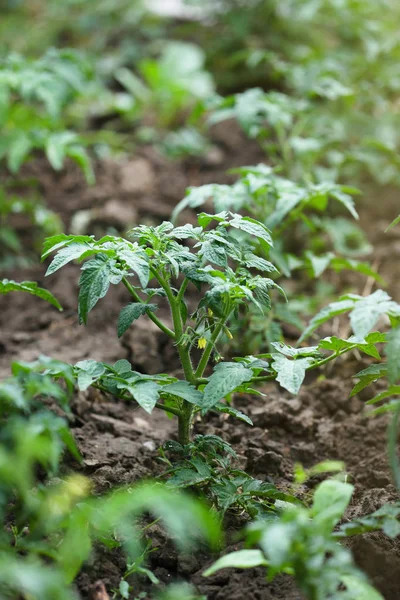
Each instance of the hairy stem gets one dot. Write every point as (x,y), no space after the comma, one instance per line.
(185,423)
(182,290)
(169,409)
(185,416)
(208,349)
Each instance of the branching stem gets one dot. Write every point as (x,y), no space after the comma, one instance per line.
(150,314)
(185,416)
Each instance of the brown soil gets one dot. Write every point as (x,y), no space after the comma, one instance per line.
(119,443)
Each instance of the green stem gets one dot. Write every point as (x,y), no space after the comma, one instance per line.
(185,416)
(262,378)
(150,314)
(182,290)
(182,347)
(170,409)
(208,349)
(323,362)
(185,423)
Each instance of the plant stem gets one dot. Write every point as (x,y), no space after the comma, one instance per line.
(182,347)
(262,378)
(185,416)
(170,409)
(182,290)
(208,349)
(185,423)
(150,314)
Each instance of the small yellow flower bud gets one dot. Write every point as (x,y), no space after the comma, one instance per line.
(210,312)
(201,343)
(228,333)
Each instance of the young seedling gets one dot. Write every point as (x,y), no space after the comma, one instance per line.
(172,259)
(302,543)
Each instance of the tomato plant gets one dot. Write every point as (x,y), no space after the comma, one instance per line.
(172,258)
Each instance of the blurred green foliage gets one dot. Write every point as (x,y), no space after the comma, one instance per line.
(49,516)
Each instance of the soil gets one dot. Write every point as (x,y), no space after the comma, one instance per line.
(120,444)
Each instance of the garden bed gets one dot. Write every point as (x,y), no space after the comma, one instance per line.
(119,443)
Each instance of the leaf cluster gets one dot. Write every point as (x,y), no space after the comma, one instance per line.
(50,519)
(205,465)
(34,96)
(302,543)
(169,85)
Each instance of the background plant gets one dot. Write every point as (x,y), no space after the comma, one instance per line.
(34,98)
(302,543)
(298,216)
(326,73)
(45,511)
(44,222)
(160,255)
(31,287)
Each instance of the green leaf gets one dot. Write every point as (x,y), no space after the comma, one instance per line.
(95,280)
(186,391)
(67,254)
(122,366)
(331,498)
(367,376)
(204,219)
(393,390)
(364,312)
(339,263)
(184,517)
(132,312)
(252,227)
(19,148)
(81,157)
(226,378)
(359,589)
(12,393)
(367,312)
(393,223)
(137,260)
(187,477)
(291,352)
(55,242)
(56,147)
(319,263)
(213,253)
(124,589)
(88,371)
(290,373)
(31,287)
(146,393)
(338,345)
(346,200)
(252,261)
(327,313)
(242,559)
(233,412)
